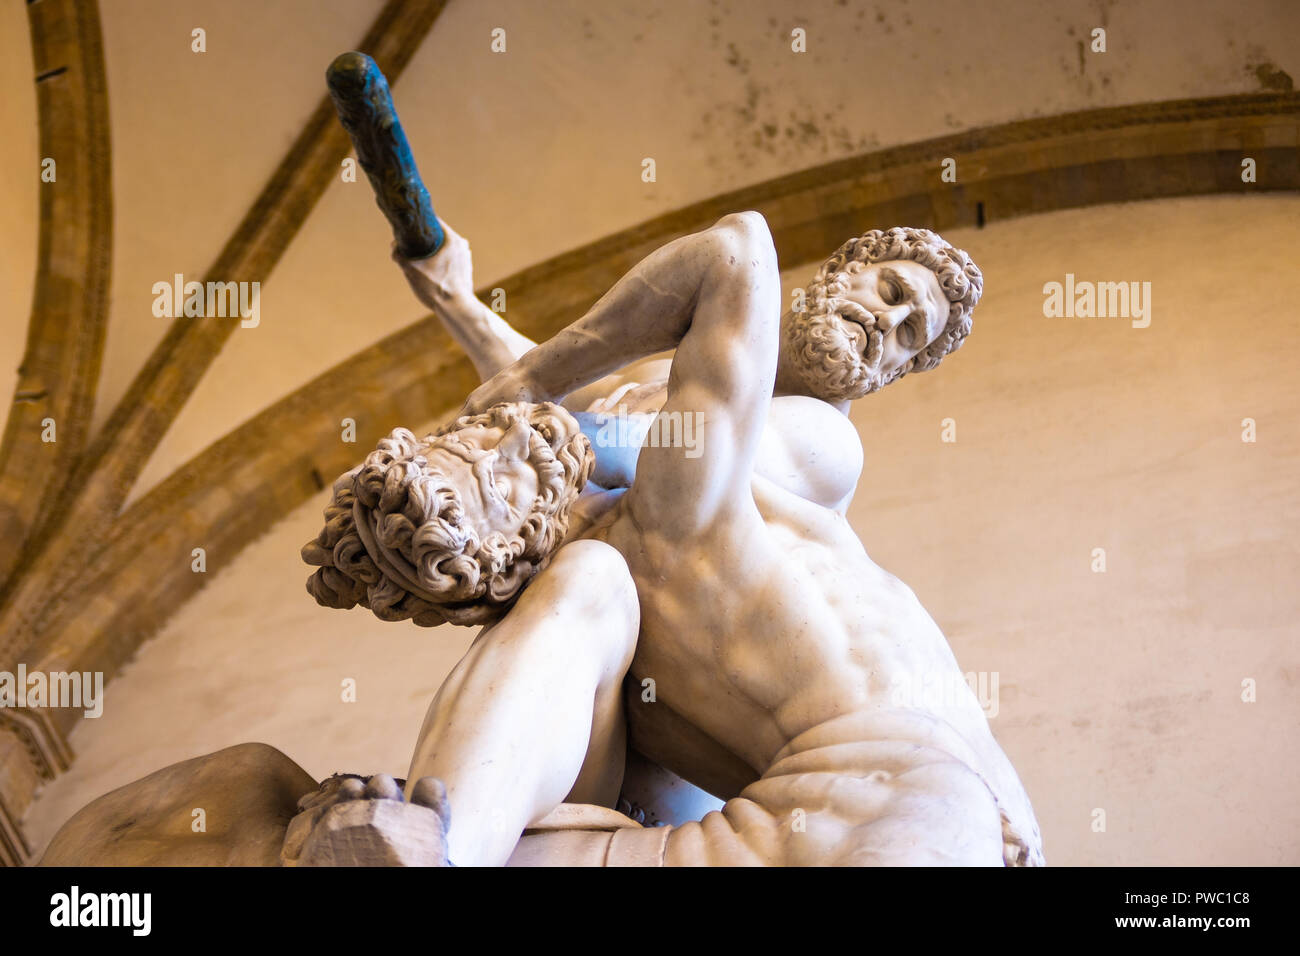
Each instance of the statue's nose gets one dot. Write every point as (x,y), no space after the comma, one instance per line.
(886,319)
(515,442)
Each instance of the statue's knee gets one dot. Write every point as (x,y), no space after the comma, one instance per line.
(595,578)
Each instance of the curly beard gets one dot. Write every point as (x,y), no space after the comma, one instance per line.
(826,354)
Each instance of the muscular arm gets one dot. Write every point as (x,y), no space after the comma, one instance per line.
(489,340)
(715,297)
(444,282)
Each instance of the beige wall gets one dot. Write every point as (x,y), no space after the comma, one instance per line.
(1118,691)
(1121,690)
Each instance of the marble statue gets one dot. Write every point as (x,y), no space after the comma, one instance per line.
(646,514)
(711,606)
(729,580)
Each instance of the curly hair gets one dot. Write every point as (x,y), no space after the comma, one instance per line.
(396,540)
(826,354)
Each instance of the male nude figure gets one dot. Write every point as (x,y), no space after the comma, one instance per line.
(773,641)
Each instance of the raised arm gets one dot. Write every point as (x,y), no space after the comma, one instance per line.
(715,297)
(444,282)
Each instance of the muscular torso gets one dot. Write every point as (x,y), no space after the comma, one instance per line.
(776,620)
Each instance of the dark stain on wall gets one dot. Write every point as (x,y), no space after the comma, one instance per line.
(1271,77)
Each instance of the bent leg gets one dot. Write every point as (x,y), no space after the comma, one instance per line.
(533,712)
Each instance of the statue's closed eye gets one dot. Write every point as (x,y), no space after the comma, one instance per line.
(910,333)
(891,291)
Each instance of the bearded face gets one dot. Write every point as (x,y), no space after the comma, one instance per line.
(864,327)
(837,350)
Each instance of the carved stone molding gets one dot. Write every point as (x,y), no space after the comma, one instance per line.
(19,779)
(65,335)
